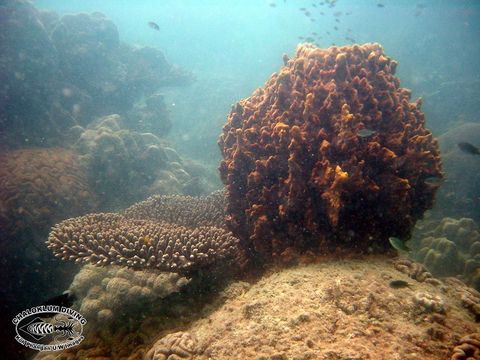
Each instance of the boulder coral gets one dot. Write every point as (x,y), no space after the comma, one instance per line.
(39,187)
(108,295)
(329,153)
(125,165)
(449,247)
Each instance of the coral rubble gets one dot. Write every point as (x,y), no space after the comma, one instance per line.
(146,236)
(298,170)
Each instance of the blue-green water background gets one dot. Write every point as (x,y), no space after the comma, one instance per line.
(232,47)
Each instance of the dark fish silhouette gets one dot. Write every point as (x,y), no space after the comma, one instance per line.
(154,26)
(66,299)
(468,148)
(272,4)
(398,284)
(380,5)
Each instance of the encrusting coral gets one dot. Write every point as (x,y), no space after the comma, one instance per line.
(146,236)
(329,153)
(179,345)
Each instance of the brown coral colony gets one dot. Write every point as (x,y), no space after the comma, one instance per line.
(301,174)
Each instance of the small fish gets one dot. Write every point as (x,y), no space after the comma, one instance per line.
(301,38)
(302,9)
(310,39)
(398,284)
(380,5)
(398,244)
(337,13)
(322,13)
(66,299)
(366,132)
(154,25)
(307,13)
(272,4)
(336,28)
(337,20)
(314,33)
(468,148)
(433,180)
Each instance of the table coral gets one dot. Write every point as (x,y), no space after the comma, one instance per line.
(298,171)
(146,236)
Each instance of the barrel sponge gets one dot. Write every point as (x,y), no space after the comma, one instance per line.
(147,236)
(301,174)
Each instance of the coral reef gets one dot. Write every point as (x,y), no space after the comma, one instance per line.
(68,70)
(146,236)
(459,195)
(449,247)
(40,187)
(300,313)
(298,170)
(28,60)
(126,166)
(179,345)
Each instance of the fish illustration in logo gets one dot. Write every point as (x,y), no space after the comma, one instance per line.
(38,329)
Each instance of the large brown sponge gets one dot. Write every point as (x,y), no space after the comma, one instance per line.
(146,236)
(301,174)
